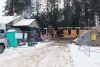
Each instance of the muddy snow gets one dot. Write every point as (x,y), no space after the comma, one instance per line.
(50,55)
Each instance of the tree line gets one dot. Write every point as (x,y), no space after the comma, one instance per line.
(72,13)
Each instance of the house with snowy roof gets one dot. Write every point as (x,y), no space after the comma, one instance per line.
(26,27)
(11,22)
(6,22)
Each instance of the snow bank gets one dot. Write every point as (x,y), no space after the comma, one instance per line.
(82,60)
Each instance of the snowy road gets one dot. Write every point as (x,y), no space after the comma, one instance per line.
(48,56)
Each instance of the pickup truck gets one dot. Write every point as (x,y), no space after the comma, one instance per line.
(2,43)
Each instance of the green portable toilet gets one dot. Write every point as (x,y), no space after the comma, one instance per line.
(12,41)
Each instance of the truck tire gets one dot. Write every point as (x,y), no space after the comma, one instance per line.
(2,48)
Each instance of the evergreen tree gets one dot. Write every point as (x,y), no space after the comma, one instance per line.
(67,12)
(53,12)
(17,6)
(76,15)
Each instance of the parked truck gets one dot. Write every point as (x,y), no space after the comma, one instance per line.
(2,43)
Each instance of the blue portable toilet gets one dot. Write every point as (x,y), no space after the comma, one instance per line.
(12,41)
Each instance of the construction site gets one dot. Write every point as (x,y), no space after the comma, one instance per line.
(62,51)
(49,33)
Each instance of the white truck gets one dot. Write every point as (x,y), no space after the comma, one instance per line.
(2,43)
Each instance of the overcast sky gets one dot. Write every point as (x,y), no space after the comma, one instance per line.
(2,4)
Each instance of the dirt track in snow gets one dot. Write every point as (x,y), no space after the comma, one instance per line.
(51,55)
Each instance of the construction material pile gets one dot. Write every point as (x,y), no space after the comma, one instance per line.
(95,36)
(90,37)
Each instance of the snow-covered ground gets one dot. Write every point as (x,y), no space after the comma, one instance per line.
(51,54)
(81,59)
(11,53)
(42,55)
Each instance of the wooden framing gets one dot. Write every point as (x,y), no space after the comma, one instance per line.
(71,32)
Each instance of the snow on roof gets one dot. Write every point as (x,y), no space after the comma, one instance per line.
(11,30)
(27,22)
(7,19)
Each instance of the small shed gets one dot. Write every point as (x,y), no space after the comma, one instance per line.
(29,26)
